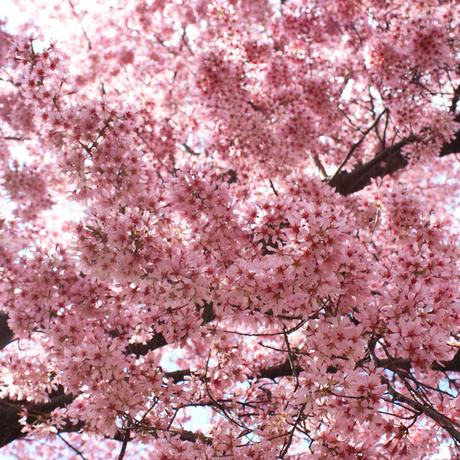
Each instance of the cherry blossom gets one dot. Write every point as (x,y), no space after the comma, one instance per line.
(229,228)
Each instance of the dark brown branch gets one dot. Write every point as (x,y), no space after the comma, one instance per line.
(189,150)
(6,334)
(124,445)
(452,146)
(178,376)
(430,412)
(70,446)
(452,365)
(158,340)
(15,138)
(455,99)
(11,413)
(279,370)
(140,349)
(387,161)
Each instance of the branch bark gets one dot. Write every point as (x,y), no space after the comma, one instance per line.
(385,162)
(430,412)
(6,334)
(11,412)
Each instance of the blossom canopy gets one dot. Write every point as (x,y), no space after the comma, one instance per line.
(230,229)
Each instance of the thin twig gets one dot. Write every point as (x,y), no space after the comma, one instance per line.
(320,166)
(273,187)
(74,11)
(188,149)
(70,446)
(357,144)
(430,412)
(291,360)
(15,138)
(267,334)
(288,443)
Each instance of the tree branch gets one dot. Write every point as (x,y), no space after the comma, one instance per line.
(386,161)
(430,412)
(6,334)
(11,412)
(357,144)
